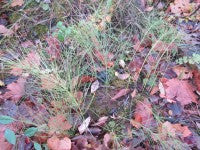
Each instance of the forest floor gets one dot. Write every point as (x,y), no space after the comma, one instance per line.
(99,74)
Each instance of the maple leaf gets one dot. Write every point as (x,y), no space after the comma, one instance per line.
(58,123)
(54,143)
(180,90)
(5,31)
(17,3)
(143,114)
(16,90)
(121,93)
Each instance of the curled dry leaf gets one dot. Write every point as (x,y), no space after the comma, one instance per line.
(182,72)
(17,3)
(94,86)
(143,114)
(121,93)
(180,90)
(101,121)
(58,123)
(54,143)
(83,127)
(122,76)
(5,31)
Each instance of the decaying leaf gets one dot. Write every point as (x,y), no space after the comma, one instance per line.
(58,123)
(181,7)
(180,90)
(83,127)
(49,81)
(94,86)
(168,129)
(17,3)
(5,31)
(16,90)
(182,72)
(54,143)
(121,93)
(101,121)
(143,114)
(123,76)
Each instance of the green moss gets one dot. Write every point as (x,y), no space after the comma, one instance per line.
(39,30)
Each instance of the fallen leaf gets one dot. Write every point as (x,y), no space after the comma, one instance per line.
(32,59)
(54,143)
(101,121)
(122,76)
(133,94)
(179,90)
(94,86)
(121,93)
(83,127)
(86,79)
(182,72)
(5,31)
(58,123)
(154,90)
(122,63)
(17,3)
(197,79)
(173,130)
(53,49)
(16,90)
(179,7)
(143,114)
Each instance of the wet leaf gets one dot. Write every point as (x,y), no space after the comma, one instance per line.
(10,136)
(6,119)
(31,131)
(37,146)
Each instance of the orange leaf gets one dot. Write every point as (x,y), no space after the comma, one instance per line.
(58,123)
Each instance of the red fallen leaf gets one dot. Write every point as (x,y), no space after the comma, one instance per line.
(104,60)
(54,143)
(197,79)
(143,114)
(136,64)
(16,90)
(58,123)
(182,72)
(173,130)
(54,49)
(161,46)
(86,79)
(32,59)
(140,45)
(180,90)
(121,93)
(154,90)
(133,94)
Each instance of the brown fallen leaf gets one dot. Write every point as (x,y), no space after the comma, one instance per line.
(182,72)
(180,90)
(121,93)
(101,121)
(84,126)
(5,31)
(161,46)
(15,3)
(53,49)
(143,114)
(54,143)
(168,129)
(16,90)
(58,123)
